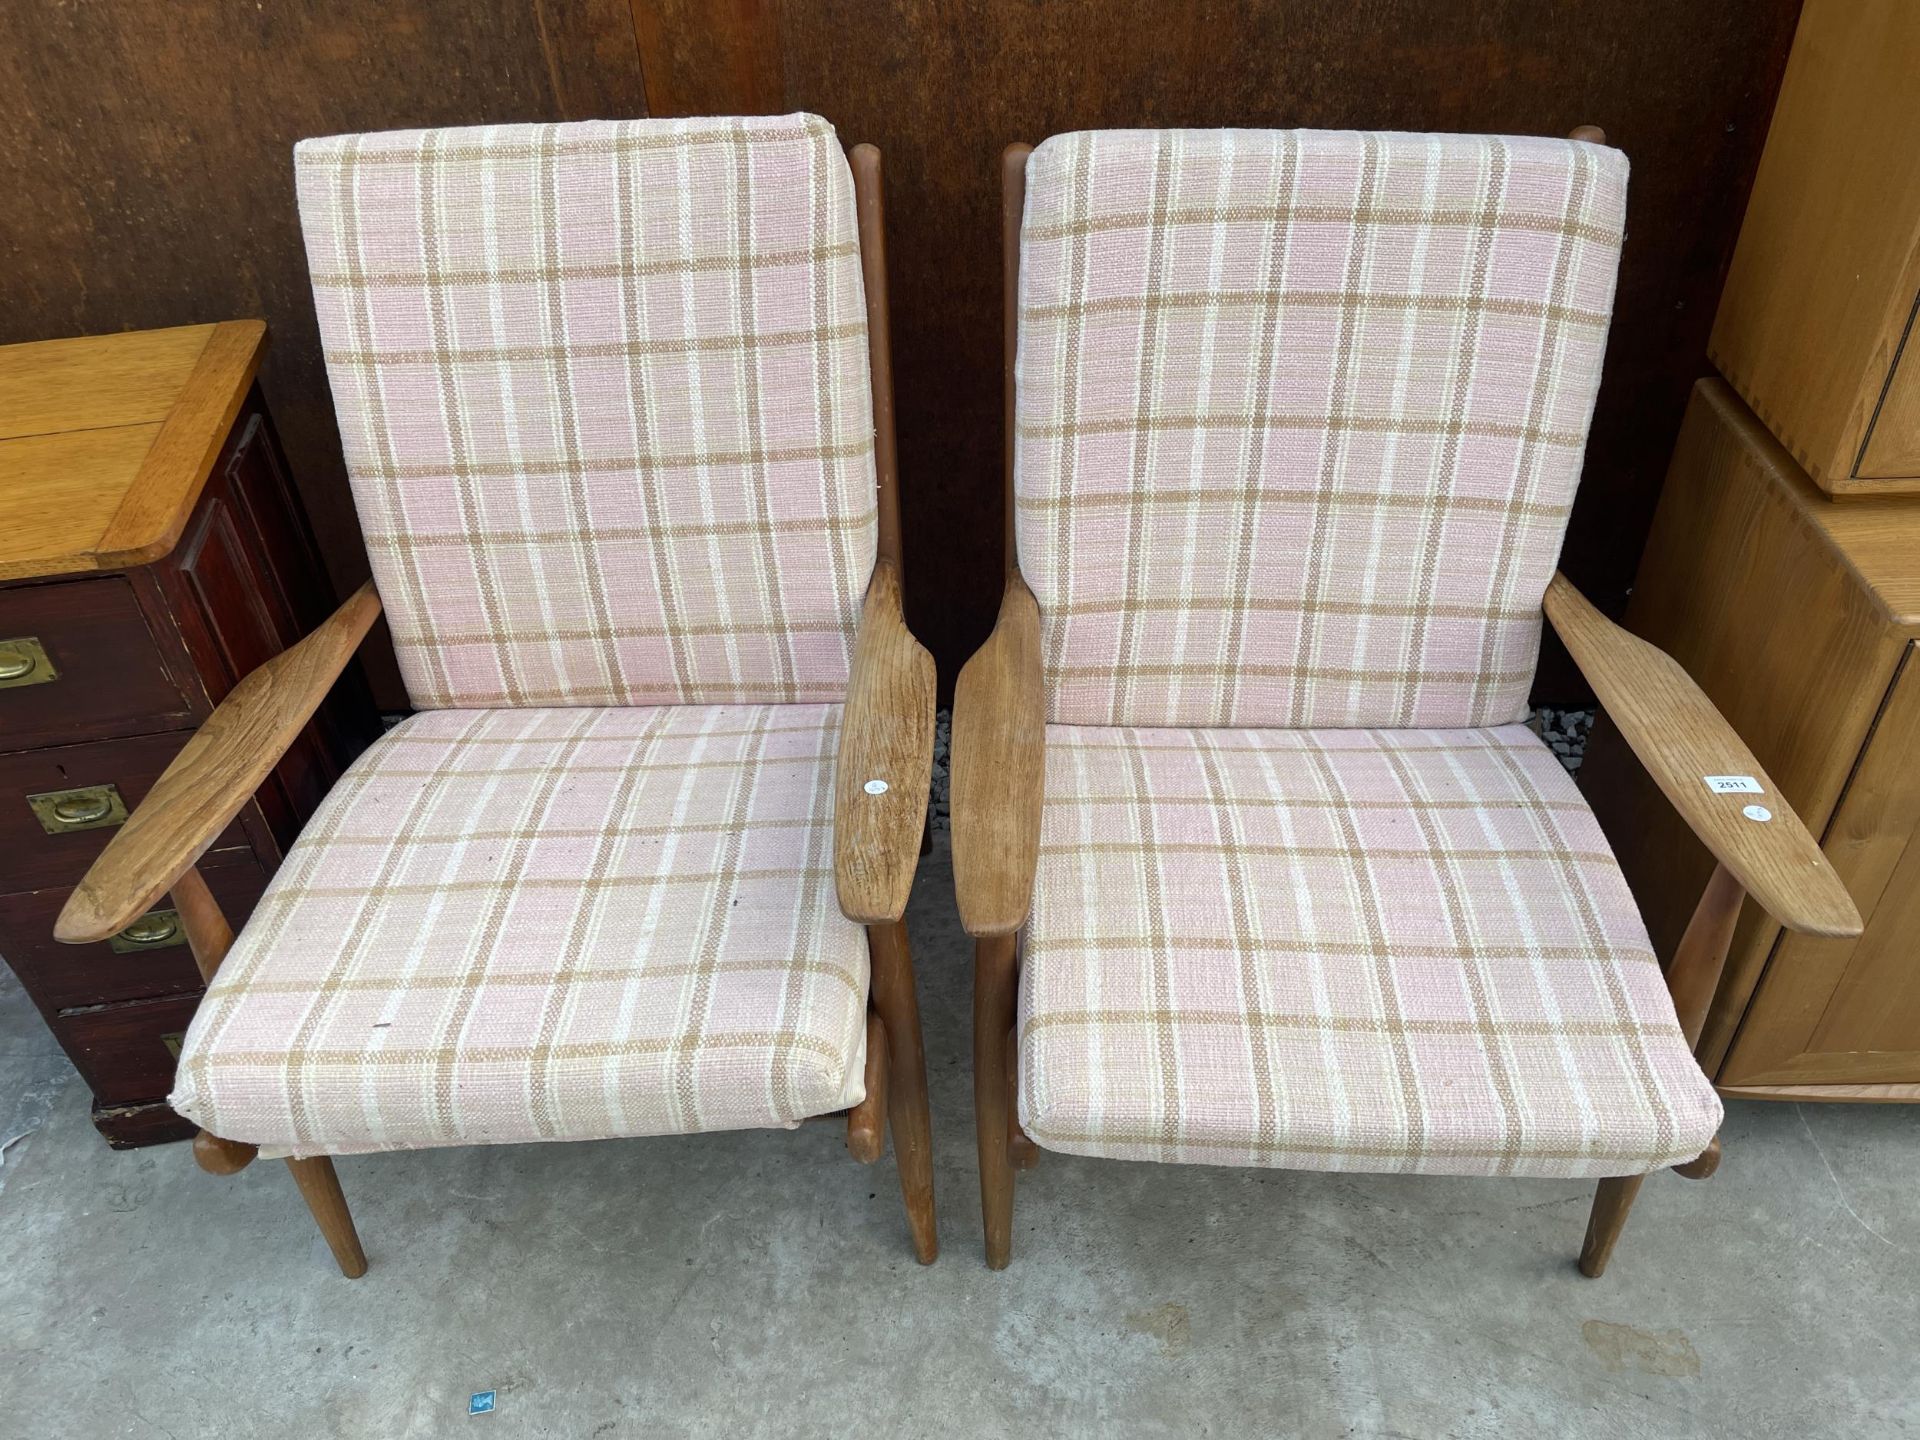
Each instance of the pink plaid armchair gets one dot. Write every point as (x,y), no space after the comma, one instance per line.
(1263,865)
(637,865)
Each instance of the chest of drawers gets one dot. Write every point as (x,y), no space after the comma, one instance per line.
(152,551)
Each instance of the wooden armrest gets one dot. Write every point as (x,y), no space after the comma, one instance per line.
(886,746)
(1682,739)
(998,766)
(227,759)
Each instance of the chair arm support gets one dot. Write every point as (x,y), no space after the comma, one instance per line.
(998,768)
(1681,739)
(886,736)
(227,759)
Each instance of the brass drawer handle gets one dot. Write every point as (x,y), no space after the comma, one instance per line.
(173,1042)
(23,661)
(155,930)
(88,807)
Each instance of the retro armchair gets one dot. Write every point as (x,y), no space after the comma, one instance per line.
(1262,865)
(617,411)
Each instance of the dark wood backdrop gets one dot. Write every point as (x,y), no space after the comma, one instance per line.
(146,152)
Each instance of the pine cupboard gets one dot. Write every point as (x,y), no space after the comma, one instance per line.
(1800,616)
(1816,324)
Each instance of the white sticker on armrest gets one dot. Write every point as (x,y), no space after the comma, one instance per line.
(1733,784)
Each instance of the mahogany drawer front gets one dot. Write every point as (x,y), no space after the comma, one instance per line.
(30,858)
(126,1052)
(150,958)
(107,674)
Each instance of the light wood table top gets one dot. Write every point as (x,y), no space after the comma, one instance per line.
(107,440)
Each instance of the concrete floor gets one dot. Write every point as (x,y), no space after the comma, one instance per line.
(760,1284)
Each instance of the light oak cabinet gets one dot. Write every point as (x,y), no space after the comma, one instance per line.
(1800,616)
(1816,327)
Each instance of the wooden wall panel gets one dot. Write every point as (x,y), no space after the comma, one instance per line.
(147,169)
(146,160)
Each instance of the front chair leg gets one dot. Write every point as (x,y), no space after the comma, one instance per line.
(907,1117)
(1611,1202)
(320,1187)
(992,1096)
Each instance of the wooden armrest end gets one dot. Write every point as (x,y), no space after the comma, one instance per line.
(1681,738)
(885,764)
(227,759)
(998,770)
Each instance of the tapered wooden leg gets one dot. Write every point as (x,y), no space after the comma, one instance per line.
(1610,1206)
(321,1189)
(899,1006)
(993,981)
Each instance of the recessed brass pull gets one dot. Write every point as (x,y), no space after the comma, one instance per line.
(23,661)
(155,930)
(88,807)
(173,1042)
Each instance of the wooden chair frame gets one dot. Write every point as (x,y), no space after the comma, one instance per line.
(999,764)
(886,733)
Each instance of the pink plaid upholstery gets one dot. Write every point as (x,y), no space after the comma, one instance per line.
(1300,418)
(1342,950)
(604,397)
(509,925)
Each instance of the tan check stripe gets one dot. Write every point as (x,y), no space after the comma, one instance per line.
(1342,949)
(603,393)
(525,924)
(1300,415)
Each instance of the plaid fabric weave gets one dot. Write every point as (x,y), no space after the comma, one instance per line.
(1300,417)
(603,393)
(1343,950)
(509,925)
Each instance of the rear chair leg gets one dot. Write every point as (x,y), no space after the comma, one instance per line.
(907,1117)
(992,1098)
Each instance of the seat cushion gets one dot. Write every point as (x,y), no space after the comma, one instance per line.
(1343,950)
(1300,415)
(510,925)
(604,397)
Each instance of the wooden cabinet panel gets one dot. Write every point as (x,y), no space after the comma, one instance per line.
(109,678)
(127,1050)
(1767,614)
(245,583)
(1893,447)
(1848,1011)
(1821,293)
(1800,616)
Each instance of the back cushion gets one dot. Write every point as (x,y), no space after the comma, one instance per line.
(1300,417)
(603,391)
